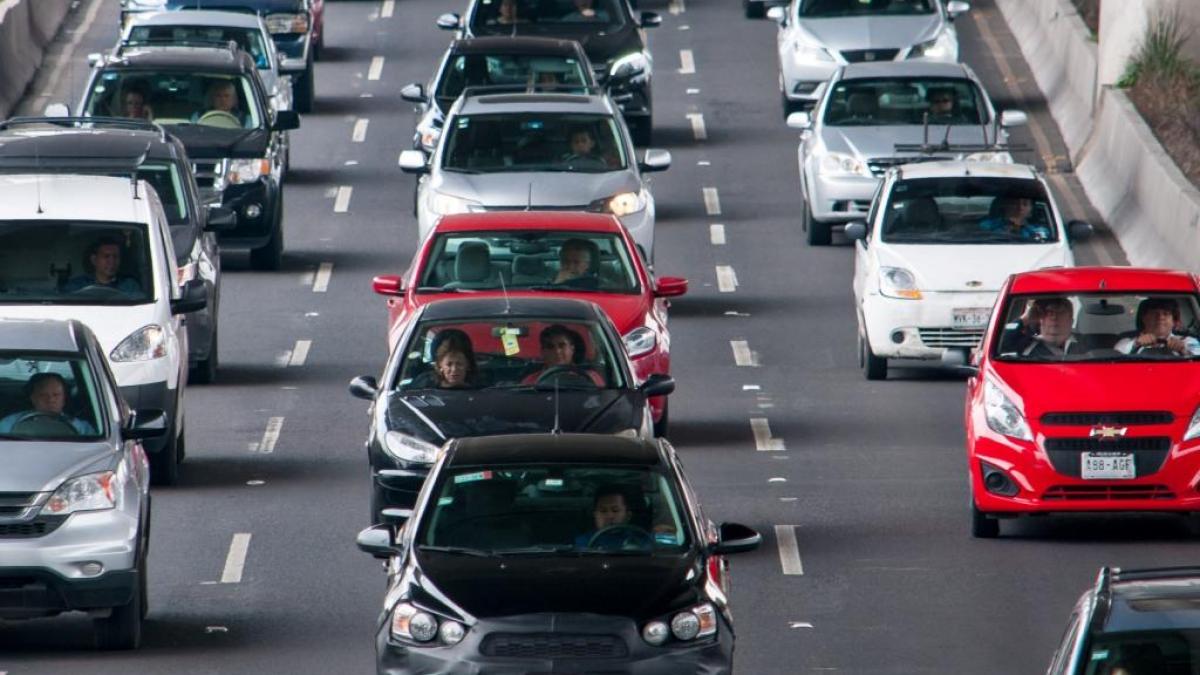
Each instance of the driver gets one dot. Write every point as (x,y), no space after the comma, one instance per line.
(1013,218)
(221,97)
(563,348)
(1157,319)
(48,396)
(102,264)
(611,507)
(583,151)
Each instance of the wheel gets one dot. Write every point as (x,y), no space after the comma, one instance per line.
(122,629)
(754,10)
(642,131)
(205,372)
(164,464)
(661,426)
(983,526)
(874,367)
(269,256)
(819,234)
(304,91)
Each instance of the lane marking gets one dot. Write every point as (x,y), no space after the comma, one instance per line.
(341,203)
(235,562)
(750,387)
(687,62)
(677,7)
(300,353)
(281,359)
(799,624)
(712,201)
(716,234)
(1104,256)
(789,550)
(692,91)
(321,281)
(726,279)
(742,355)
(777,479)
(360,130)
(271,436)
(376,68)
(388,9)
(763,441)
(68,54)
(698,129)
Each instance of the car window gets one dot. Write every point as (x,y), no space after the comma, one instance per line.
(533,142)
(1100,327)
(47,398)
(969,210)
(250,40)
(75,262)
(1171,650)
(492,16)
(546,509)
(828,9)
(522,353)
(480,70)
(554,261)
(892,101)
(209,100)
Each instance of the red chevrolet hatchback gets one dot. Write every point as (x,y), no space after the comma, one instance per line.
(1084,394)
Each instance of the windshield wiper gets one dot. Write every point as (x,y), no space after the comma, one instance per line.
(457,550)
(534,550)
(558,288)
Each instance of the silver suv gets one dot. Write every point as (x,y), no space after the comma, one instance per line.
(74,500)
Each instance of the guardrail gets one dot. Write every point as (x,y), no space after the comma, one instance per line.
(27,27)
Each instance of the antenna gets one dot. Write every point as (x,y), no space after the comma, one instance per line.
(37,181)
(557,429)
(504,290)
(925,130)
(529,197)
(946,137)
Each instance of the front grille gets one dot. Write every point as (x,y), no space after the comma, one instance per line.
(14,504)
(879,165)
(1088,419)
(206,174)
(553,646)
(1149,452)
(37,528)
(859,55)
(16,582)
(1107,492)
(951,338)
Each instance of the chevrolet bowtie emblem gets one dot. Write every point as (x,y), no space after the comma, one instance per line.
(974,284)
(1104,433)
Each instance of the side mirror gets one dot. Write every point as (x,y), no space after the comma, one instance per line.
(57,110)
(388,284)
(396,517)
(94,59)
(650,19)
(193,298)
(286,120)
(856,230)
(658,385)
(413,161)
(220,219)
(956,8)
(364,387)
(655,160)
(956,360)
(376,541)
(670,287)
(736,538)
(145,423)
(414,93)
(801,120)
(778,15)
(1078,230)
(448,21)
(1013,118)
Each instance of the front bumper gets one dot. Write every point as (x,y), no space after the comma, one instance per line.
(256,205)
(156,396)
(804,83)
(921,329)
(399,491)
(201,330)
(633,97)
(838,198)
(293,52)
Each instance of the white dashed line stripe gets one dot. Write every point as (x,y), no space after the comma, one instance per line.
(742,355)
(677,7)
(712,201)
(270,437)
(726,279)
(687,62)
(388,9)
(698,129)
(300,353)
(716,234)
(376,68)
(763,442)
(360,130)
(789,550)
(341,203)
(321,281)
(235,562)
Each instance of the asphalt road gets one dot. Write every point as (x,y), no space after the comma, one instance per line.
(869,477)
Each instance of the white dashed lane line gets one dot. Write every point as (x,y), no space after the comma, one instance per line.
(726,279)
(360,130)
(698,129)
(300,353)
(321,280)
(270,437)
(763,441)
(742,355)
(716,234)
(388,9)
(712,201)
(341,202)
(687,62)
(235,561)
(677,7)
(376,69)
(789,550)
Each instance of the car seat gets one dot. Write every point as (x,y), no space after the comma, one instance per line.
(473,267)
(529,270)
(483,516)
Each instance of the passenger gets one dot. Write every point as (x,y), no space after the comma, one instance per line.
(48,397)
(1157,319)
(1012,217)
(575,264)
(133,102)
(585,11)
(583,153)
(563,348)
(507,13)
(102,264)
(454,365)
(1054,317)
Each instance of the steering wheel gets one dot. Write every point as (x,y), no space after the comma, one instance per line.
(572,372)
(97,289)
(220,118)
(35,423)
(624,536)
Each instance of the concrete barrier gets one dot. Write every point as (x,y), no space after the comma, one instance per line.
(46,17)
(26,30)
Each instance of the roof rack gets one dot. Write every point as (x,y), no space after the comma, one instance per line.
(1146,573)
(531,88)
(81,122)
(991,143)
(1102,598)
(231,45)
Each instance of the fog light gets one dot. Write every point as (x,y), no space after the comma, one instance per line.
(91,569)
(996,481)
(423,627)
(452,632)
(805,87)
(685,626)
(898,336)
(656,633)
(252,211)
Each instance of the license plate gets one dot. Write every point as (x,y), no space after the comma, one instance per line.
(1107,465)
(971,317)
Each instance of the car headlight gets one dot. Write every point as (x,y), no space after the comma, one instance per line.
(448,205)
(840,164)
(287,23)
(407,448)
(804,52)
(630,66)
(940,48)
(1001,157)
(412,623)
(897,282)
(639,341)
(93,492)
(144,344)
(1003,416)
(620,204)
(242,171)
(1193,430)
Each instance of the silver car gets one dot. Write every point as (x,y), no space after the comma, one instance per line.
(504,151)
(74,500)
(817,36)
(875,116)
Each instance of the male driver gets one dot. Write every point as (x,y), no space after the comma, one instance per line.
(48,396)
(1157,319)
(102,263)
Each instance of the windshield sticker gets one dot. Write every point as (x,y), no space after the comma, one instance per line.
(511,347)
(1100,655)
(552,483)
(473,477)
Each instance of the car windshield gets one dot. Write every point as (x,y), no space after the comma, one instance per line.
(968,210)
(510,354)
(45,397)
(509,70)
(539,259)
(895,101)
(250,40)
(533,142)
(828,9)
(175,98)
(539,509)
(74,262)
(1100,327)
(496,16)
(1169,650)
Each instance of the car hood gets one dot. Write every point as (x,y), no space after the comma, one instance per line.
(970,267)
(641,587)
(438,415)
(41,466)
(1098,387)
(539,189)
(627,310)
(110,323)
(868,142)
(205,142)
(873,32)
(600,46)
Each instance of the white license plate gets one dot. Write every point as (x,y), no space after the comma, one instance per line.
(971,317)
(1107,465)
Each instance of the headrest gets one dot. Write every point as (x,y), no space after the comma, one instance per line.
(528,265)
(473,262)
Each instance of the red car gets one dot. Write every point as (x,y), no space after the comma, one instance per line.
(1083,396)
(588,256)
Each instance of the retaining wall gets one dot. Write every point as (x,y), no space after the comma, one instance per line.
(27,28)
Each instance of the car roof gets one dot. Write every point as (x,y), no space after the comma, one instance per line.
(237,5)
(197,17)
(1100,279)
(71,197)
(515,45)
(954,168)
(529,220)
(58,147)
(1136,600)
(42,335)
(884,69)
(508,102)
(182,57)
(553,448)
(497,308)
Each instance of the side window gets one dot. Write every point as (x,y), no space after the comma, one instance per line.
(168,273)
(1062,655)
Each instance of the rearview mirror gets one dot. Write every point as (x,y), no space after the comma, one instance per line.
(778,15)
(448,21)
(670,287)
(655,160)
(801,120)
(1078,230)
(388,284)
(658,385)
(736,538)
(220,219)
(145,423)
(286,120)
(364,387)
(1013,118)
(413,161)
(377,541)
(650,19)
(956,8)
(414,93)
(856,230)
(193,298)
(94,59)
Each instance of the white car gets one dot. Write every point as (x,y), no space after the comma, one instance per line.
(938,242)
(98,249)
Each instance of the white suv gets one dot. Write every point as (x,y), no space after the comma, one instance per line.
(98,249)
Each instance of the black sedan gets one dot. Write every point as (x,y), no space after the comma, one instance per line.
(480,367)
(556,553)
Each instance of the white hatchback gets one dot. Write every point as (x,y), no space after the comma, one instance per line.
(938,242)
(98,249)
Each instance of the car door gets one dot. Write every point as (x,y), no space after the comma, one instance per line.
(865,258)
(118,414)
(166,275)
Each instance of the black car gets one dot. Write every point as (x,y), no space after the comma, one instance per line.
(611,34)
(122,146)
(513,389)
(237,153)
(1133,621)
(556,553)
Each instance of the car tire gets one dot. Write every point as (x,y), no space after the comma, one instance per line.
(642,131)
(205,372)
(269,256)
(983,526)
(817,233)
(304,94)
(663,425)
(754,10)
(122,629)
(874,367)
(164,464)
